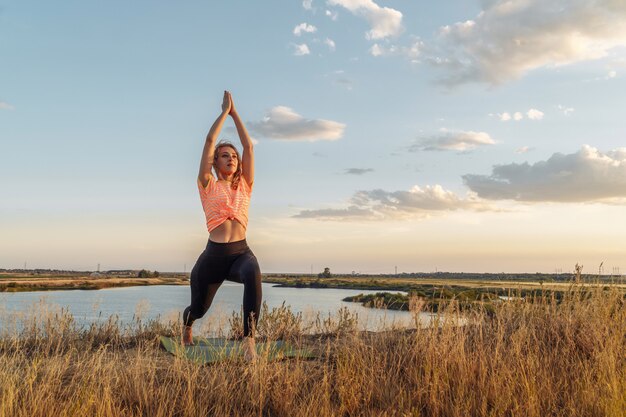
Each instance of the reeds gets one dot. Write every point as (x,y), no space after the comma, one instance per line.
(540,356)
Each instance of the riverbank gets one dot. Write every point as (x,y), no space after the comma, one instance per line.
(531,359)
(465,290)
(435,293)
(55,283)
(422,284)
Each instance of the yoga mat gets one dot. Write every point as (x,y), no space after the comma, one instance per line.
(209,350)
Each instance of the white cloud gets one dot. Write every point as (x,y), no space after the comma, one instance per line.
(399,205)
(283,123)
(330,43)
(565,110)
(301,49)
(332,15)
(523,149)
(587,175)
(6,106)
(412,51)
(448,140)
(304,27)
(307,4)
(534,114)
(376,50)
(611,74)
(512,37)
(384,21)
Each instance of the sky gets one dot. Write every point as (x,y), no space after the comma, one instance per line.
(459,135)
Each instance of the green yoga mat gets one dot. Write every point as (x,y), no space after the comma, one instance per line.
(217,349)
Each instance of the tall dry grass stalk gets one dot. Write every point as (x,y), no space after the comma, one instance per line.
(533,357)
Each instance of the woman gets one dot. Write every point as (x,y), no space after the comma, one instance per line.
(225,202)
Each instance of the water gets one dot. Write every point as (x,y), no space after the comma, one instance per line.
(168,301)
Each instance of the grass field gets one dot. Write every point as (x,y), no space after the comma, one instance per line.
(543,357)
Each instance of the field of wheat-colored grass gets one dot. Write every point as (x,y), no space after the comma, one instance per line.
(533,357)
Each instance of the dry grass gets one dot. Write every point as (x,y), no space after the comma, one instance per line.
(533,358)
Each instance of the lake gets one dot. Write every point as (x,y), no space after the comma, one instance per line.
(167,302)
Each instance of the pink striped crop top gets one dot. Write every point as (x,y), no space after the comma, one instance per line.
(220,202)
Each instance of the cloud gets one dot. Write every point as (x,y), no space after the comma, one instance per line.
(283,123)
(412,51)
(384,21)
(399,205)
(534,114)
(509,38)
(301,49)
(330,43)
(376,50)
(307,4)
(504,117)
(523,149)
(332,15)
(448,140)
(565,110)
(587,175)
(359,171)
(352,212)
(6,106)
(304,27)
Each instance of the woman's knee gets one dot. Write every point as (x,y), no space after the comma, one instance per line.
(189,316)
(250,269)
(200,304)
(246,270)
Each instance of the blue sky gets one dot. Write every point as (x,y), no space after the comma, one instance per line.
(458,136)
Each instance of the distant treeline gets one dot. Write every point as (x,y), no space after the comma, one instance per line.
(502,276)
(68,271)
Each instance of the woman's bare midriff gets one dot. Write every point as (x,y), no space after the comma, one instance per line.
(229,231)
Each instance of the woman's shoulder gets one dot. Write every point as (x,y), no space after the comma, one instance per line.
(247,187)
(205,183)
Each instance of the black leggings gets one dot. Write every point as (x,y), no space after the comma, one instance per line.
(233,261)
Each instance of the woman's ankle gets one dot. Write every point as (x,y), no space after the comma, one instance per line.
(187,335)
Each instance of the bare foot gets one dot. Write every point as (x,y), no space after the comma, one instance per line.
(187,336)
(249,349)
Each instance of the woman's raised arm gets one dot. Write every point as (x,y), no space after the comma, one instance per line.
(247,159)
(206,163)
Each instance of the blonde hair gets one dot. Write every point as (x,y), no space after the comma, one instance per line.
(237,175)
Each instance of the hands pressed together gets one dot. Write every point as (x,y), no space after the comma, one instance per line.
(228,106)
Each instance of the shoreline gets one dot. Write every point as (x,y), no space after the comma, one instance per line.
(82,283)
(434,294)
(417,284)
(466,288)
